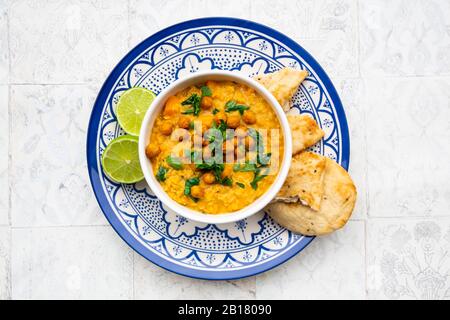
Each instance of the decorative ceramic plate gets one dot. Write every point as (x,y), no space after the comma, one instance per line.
(228,251)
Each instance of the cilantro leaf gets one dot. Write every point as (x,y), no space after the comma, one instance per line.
(257,178)
(206,91)
(188,185)
(161,174)
(174,162)
(241,185)
(194,101)
(246,167)
(233,106)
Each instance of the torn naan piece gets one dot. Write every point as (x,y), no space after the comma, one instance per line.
(283,84)
(305,132)
(336,207)
(304,182)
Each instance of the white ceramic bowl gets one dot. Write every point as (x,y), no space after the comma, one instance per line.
(156,108)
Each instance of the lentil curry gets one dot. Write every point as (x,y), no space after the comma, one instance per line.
(184,155)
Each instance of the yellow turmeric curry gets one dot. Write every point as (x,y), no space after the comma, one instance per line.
(221,170)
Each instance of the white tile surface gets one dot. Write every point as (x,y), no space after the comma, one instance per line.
(408,259)
(390,64)
(4,49)
(351,92)
(150,16)
(70,263)
(407,146)
(331,267)
(152,282)
(5,271)
(327,29)
(4,143)
(60,42)
(405,37)
(50,183)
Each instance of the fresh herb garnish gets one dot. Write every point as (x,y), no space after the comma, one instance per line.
(215,111)
(196,156)
(246,167)
(206,91)
(227,182)
(194,101)
(174,162)
(161,174)
(191,125)
(241,185)
(233,106)
(188,185)
(222,127)
(256,178)
(263,159)
(217,170)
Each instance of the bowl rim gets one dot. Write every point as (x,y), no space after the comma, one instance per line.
(155,186)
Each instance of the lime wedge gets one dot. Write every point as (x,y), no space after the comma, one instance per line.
(120,160)
(131,109)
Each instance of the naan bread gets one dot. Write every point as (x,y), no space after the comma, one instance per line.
(283,84)
(336,207)
(304,182)
(305,132)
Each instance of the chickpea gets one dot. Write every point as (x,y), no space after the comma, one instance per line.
(220,116)
(184,122)
(152,150)
(209,178)
(197,192)
(172,107)
(206,103)
(166,128)
(249,117)
(227,171)
(234,120)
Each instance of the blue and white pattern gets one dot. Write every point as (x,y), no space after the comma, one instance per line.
(194,249)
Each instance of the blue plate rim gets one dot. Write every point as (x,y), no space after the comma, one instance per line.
(92,143)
